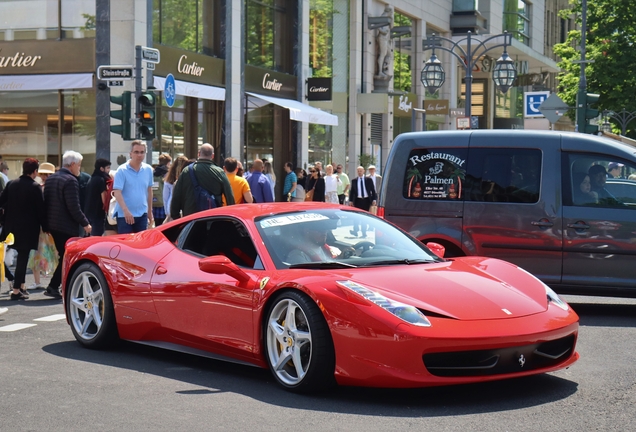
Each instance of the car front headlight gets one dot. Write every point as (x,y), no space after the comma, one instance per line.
(554,298)
(408,313)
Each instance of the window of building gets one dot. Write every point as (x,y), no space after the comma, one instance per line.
(269,34)
(191,25)
(40,19)
(321,38)
(402,73)
(516,19)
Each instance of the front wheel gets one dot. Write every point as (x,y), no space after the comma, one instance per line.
(300,350)
(90,308)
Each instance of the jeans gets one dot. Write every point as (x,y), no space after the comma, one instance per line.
(140,224)
(97,224)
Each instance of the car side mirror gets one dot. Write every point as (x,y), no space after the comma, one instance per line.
(219,264)
(436,248)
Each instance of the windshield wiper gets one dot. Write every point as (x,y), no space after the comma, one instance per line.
(322,265)
(399,261)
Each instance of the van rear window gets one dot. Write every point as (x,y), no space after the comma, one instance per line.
(435,174)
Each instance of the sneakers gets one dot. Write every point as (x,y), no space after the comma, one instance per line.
(52,292)
(35,286)
(353,233)
(19,296)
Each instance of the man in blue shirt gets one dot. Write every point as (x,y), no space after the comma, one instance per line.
(289,188)
(259,183)
(133,191)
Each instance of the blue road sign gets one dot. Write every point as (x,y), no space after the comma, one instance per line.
(170,90)
(532,101)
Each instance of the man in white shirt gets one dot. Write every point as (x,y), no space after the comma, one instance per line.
(376,178)
(362,195)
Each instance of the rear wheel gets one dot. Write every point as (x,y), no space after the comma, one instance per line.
(90,308)
(300,350)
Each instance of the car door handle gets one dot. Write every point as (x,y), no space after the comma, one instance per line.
(161,270)
(543,223)
(579,226)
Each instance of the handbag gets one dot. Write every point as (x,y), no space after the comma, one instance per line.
(110,215)
(309,195)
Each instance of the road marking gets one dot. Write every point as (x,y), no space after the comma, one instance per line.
(15,327)
(50,318)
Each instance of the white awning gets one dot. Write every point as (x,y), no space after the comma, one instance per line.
(299,111)
(45,82)
(185,88)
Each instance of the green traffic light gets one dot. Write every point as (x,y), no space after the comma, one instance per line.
(123,115)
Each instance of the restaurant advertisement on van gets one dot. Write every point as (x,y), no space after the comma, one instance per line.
(435,174)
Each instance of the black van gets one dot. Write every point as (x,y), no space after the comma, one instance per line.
(560,205)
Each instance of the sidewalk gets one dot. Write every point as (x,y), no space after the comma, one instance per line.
(7,286)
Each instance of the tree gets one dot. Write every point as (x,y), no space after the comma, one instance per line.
(611,44)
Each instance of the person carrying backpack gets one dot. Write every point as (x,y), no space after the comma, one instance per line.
(158,177)
(201,185)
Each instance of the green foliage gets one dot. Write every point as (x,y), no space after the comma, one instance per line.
(366,160)
(321,37)
(611,44)
(402,73)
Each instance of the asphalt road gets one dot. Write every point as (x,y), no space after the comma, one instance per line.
(48,382)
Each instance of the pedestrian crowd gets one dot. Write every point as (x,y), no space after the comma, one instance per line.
(44,207)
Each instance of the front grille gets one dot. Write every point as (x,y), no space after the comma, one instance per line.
(500,361)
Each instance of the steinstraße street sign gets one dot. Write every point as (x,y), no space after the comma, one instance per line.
(553,108)
(151,55)
(115,72)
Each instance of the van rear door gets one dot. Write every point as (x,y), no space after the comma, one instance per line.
(512,207)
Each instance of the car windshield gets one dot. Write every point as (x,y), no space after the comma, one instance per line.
(336,238)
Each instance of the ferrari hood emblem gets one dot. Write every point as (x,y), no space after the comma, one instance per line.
(522,360)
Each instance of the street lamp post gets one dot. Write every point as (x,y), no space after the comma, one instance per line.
(433,75)
(623,118)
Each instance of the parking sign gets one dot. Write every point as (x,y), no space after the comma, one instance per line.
(532,101)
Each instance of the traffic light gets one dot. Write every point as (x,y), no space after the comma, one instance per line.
(122,114)
(585,113)
(147,115)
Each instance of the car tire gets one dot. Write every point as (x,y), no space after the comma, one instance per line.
(89,307)
(299,353)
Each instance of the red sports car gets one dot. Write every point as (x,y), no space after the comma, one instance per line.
(292,287)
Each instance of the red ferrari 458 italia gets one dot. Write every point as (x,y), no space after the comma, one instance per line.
(293,288)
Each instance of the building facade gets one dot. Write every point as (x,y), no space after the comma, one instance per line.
(284,80)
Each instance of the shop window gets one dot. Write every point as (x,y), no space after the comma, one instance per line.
(503,175)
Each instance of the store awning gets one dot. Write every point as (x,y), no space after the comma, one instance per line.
(185,88)
(45,82)
(299,111)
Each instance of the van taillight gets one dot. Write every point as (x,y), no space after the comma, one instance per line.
(381,212)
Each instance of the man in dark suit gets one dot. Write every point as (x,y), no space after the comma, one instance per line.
(362,195)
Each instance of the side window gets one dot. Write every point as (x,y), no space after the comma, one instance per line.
(222,237)
(435,174)
(595,180)
(504,175)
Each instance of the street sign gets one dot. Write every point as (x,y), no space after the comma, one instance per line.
(532,101)
(117,83)
(170,90)
(151,55)
(150,66)
(115,72)
(474,122)
(463,122)
(553,108)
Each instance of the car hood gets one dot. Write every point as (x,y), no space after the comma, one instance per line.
(472,288)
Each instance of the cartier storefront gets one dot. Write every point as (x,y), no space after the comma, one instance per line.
(47,100)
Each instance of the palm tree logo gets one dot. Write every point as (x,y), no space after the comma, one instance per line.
(412,174)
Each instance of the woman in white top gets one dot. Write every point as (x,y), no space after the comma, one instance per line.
(331,185)
(269,173)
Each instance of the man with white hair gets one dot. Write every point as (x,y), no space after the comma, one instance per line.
(63,211)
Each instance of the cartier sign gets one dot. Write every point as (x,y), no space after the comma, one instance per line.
(269,82)
(436,106)
(319,89)
(47,56)
(189,66)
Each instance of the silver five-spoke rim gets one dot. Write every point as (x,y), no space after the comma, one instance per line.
(289,342)
(87,305)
